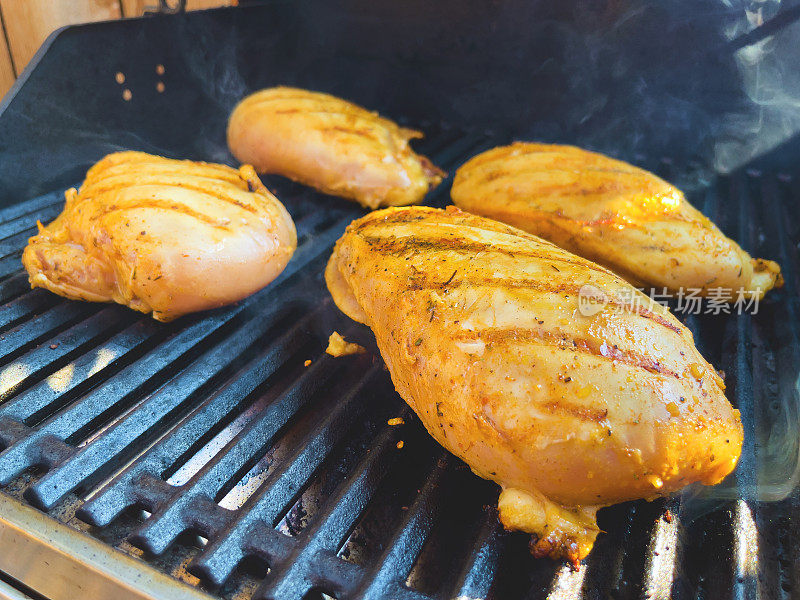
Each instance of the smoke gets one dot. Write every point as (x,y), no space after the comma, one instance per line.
(221,72)
(770,80)
(779,473)
(769,468)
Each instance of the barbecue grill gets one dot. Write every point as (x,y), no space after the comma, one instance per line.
(203,459)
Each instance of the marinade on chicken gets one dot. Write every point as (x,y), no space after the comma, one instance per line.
(613,213)
(163,236)
(568,410)
(331,144)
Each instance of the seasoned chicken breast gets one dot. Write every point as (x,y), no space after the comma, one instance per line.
(332,145)
(163,236)
(482,330)
(613,213)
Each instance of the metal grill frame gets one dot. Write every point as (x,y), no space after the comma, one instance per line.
(83,455)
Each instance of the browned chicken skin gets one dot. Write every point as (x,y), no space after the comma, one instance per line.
(333,145)
(163,236)
(613,213)
(479,325)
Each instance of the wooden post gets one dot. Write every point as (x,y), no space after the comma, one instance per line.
(29,22)
(7,73)
(135,8)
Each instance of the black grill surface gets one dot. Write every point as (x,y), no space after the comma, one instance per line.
(207,448)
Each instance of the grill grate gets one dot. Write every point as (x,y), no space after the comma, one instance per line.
(206,448)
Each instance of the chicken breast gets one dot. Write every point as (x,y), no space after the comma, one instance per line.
(567,408)
(613,213)
(332,145)
(163,236)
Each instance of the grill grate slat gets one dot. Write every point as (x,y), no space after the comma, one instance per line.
(14,286)
(292,578)
(111,499)
(43,327)
(211,481)
(43,400)
(479,570)
(30,208)
(26,224)
(51,353)
(151,414)
(21,308)
(277,492)
(405,546)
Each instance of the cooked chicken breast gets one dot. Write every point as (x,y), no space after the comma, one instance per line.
(163,236)
(332,145)
(613,213)
(480,326)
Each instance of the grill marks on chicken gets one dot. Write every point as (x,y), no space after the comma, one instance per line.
(163,236)
(479,326)
(590,347)
(610,212)
(333,145)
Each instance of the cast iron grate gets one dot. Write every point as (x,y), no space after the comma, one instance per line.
(207,448)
